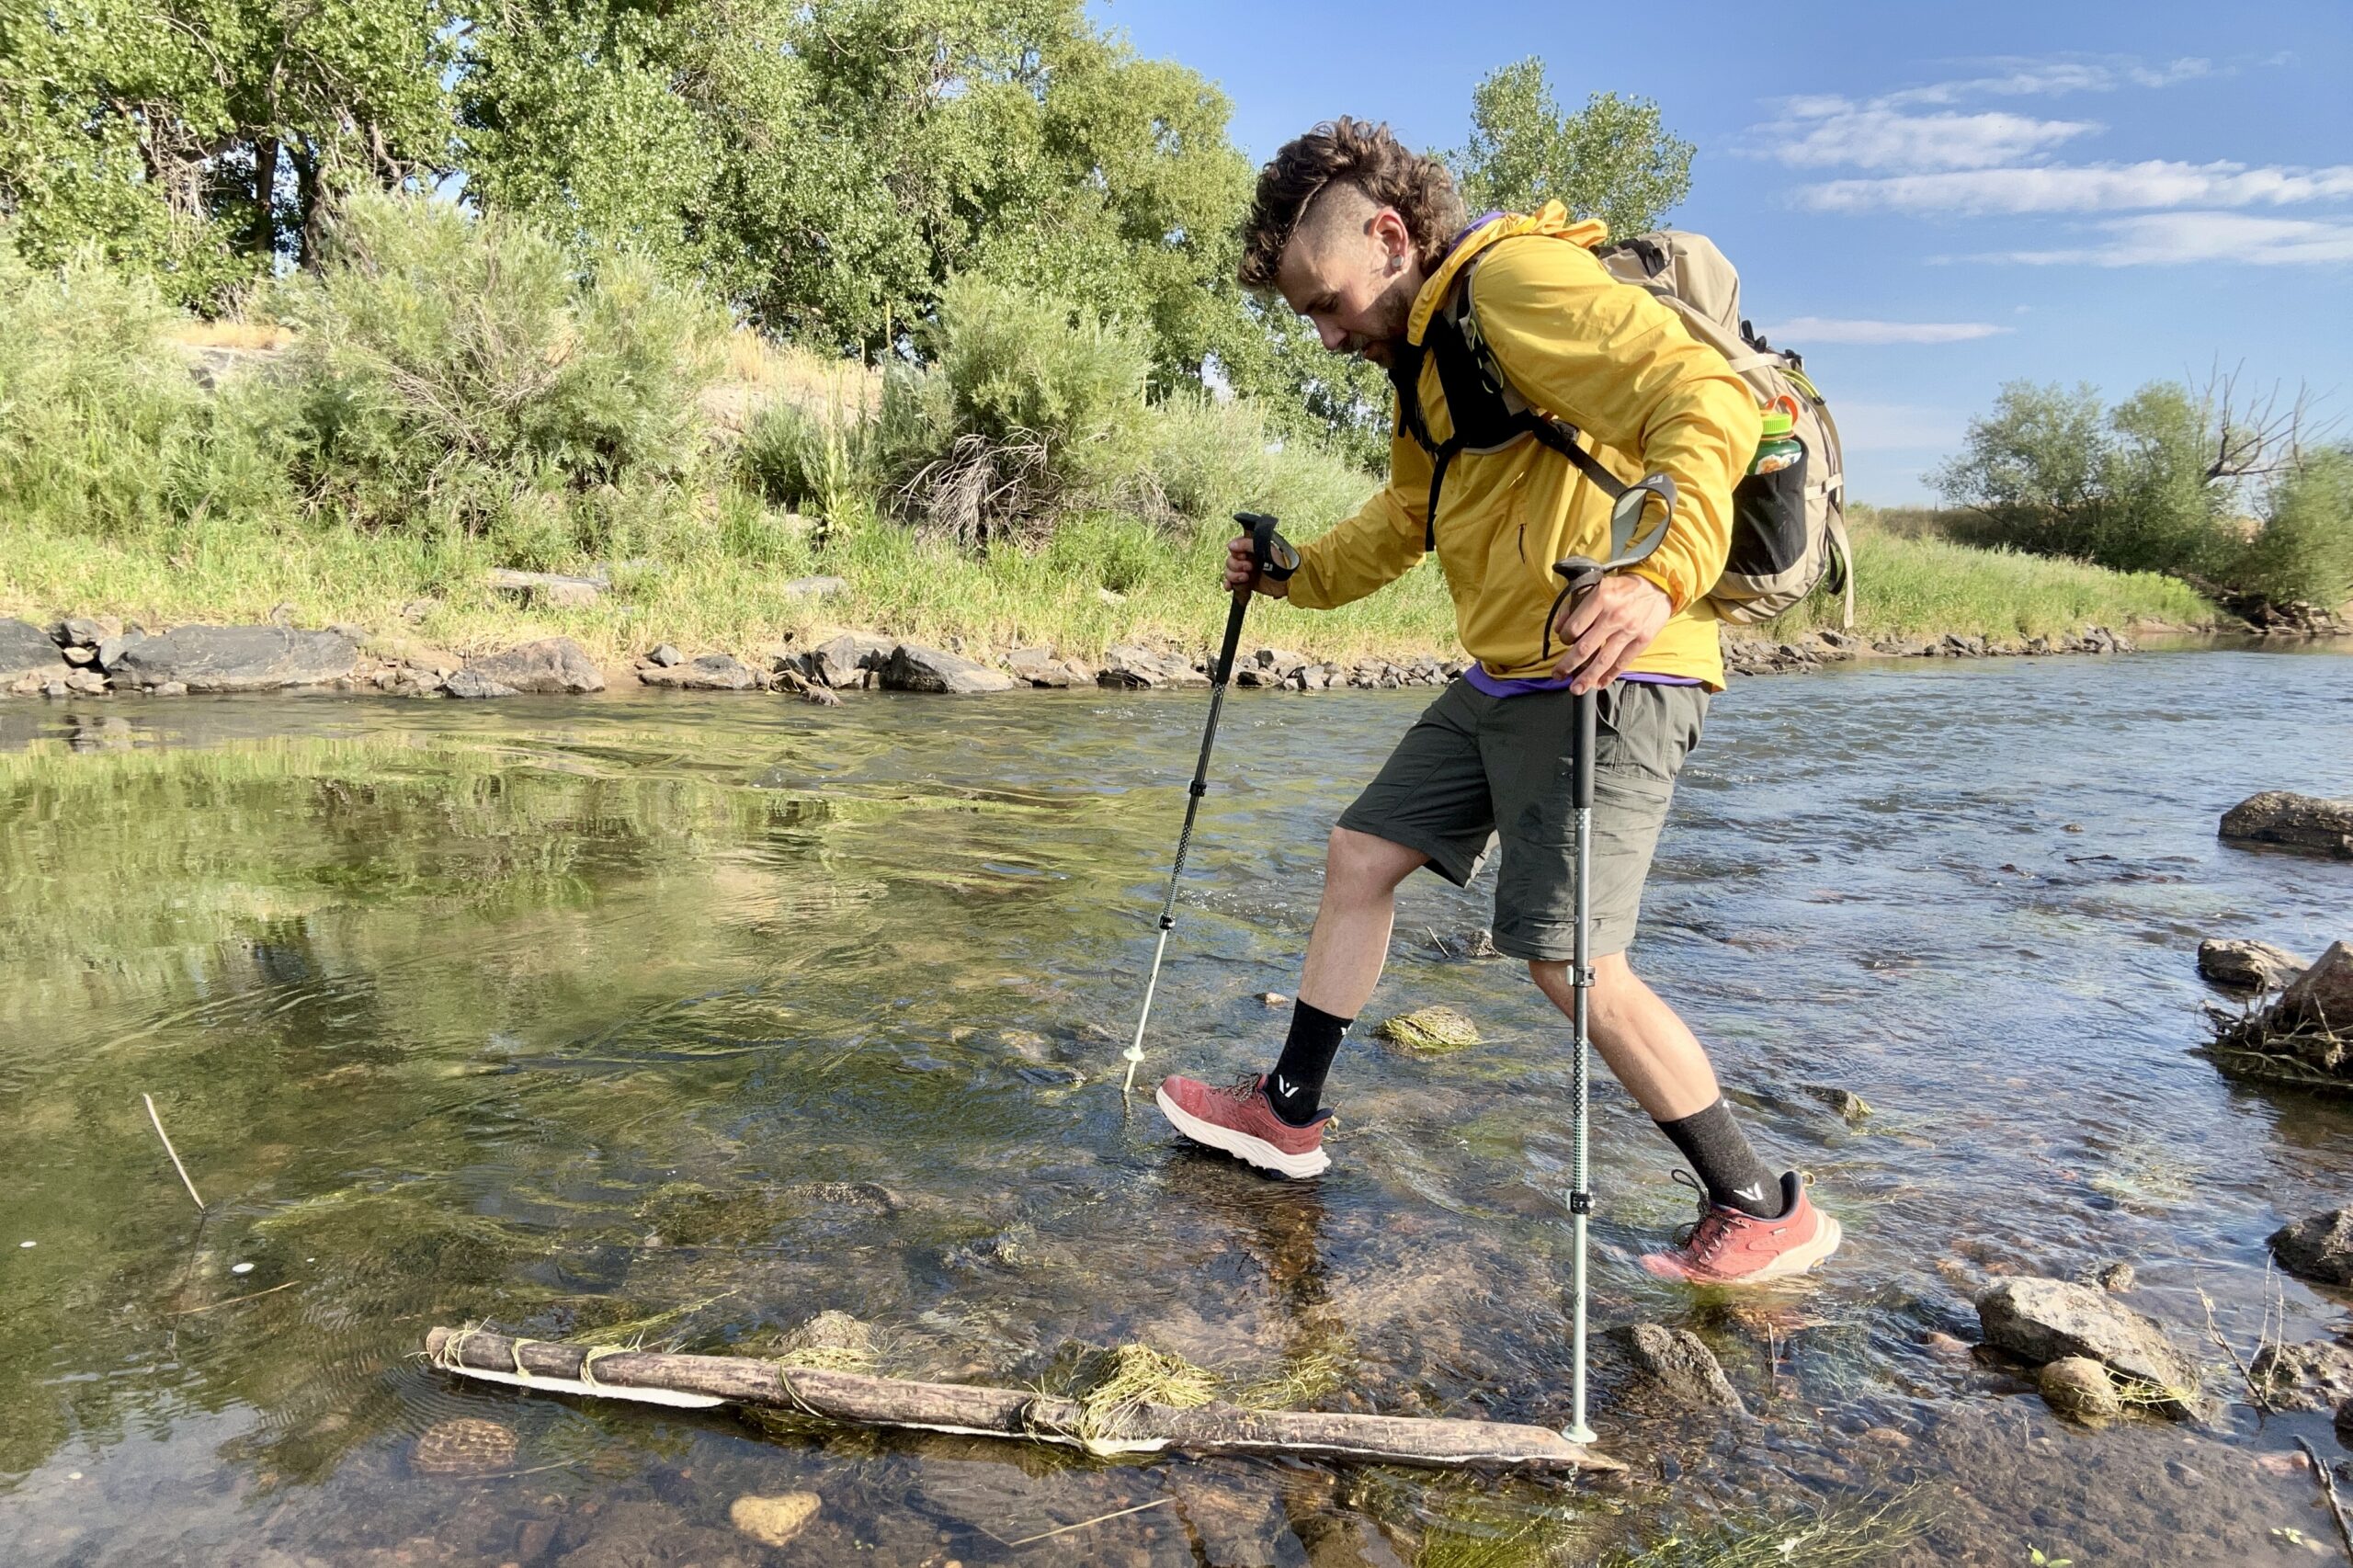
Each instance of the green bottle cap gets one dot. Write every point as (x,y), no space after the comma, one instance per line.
(1779,424)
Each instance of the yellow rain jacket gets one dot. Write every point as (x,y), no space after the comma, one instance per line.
(1647,397)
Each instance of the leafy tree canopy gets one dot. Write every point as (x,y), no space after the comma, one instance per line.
(1613,159)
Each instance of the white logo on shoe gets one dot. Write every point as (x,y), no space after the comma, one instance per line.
(1754,1194)
(1283,1088)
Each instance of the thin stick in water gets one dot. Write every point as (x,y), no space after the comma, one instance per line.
(1100,1518)
(2336,1508)
(174,1154)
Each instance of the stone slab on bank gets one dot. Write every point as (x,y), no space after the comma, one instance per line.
(236,658)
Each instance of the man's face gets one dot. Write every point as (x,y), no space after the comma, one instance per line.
(1351,270)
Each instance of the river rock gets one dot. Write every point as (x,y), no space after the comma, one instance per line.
(912,667)
(2040,1321)
(473,685)
(2246,966)
(845,660)
(1271,667)
(552,665)
(1845,1102)
(467,1446)
(667,656)
(237,658)
(2319,998)
(26,650)
(2115,1279)
(712,672)
(813,588)
(2306,822)
(2318,1247)
(1039,667)
(555,590)
(1132,667)
(2080,1387)
(787,679)
(2315,1375)
(86,630)
(1679,1364)
(774,1521)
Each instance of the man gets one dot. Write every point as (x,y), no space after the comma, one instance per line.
(1365,239)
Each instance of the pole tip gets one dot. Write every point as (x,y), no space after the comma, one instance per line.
(1579,1434)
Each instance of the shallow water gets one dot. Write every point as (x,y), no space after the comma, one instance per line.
(565,1016)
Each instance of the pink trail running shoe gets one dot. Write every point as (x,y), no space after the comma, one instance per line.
(1242,1121)
(1727,1246)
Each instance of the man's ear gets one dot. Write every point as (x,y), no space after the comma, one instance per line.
(1388,230)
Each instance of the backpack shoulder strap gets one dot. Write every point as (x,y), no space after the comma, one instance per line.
(1550,430)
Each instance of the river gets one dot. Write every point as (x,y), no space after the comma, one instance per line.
(719,1012)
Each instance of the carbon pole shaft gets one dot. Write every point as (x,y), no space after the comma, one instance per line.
(1200,786)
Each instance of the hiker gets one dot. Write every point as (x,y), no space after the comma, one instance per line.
(1367,240)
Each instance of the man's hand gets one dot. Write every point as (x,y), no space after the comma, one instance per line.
(1242,566)
(1607,627)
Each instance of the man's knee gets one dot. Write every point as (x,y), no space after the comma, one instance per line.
(1613,977)
(1360,864)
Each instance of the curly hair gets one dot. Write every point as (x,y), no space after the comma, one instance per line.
(1355,153)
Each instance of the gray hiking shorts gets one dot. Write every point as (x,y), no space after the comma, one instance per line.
(1475,768)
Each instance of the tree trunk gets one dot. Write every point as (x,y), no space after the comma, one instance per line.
(264,230)
(858,1398)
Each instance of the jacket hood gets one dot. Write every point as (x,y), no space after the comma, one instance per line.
(1551,219)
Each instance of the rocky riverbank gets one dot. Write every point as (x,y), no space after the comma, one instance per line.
(98,655)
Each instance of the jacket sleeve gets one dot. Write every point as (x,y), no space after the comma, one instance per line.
(1617,363)
(1375,547)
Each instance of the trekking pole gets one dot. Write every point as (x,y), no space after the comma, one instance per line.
(1273,557)
(1578,574)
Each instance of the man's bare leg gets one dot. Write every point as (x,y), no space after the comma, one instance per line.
(1350,942)
(1663,1065)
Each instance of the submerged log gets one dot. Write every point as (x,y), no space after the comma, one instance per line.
(858,1398)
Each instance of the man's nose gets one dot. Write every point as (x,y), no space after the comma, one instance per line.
(1334,339)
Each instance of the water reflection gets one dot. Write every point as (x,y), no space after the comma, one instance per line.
(719,1013)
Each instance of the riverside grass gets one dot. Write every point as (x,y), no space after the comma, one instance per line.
(727,591)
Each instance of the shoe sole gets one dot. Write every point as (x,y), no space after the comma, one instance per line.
(1241,1145)
(1795,1261)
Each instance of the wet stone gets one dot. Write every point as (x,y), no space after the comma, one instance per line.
(2080,1387)
(774,1521)
(2040,1321)
(2318,1247)
(712,671)
(1678,1363)
(551,666)
(2289,821)
(2246,965)
(2315,1375)
(912,667)
(467,1446)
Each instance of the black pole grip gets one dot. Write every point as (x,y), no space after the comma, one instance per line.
(1581,769)
(1273,554)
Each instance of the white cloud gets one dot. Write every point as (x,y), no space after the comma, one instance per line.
(1869,136)
(2086,187)
(2044,78)
(1898,427)
(1803,331)
(2160,239)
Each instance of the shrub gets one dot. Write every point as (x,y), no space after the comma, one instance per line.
(1027,409)
(103,427)
(820,463)
(2304,553)
(459,375)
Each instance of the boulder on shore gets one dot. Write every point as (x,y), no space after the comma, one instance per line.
(2318,1247)
(2306,823)
(712,672)
(27,649)
(2305,1036)
(2040,1321)
(912,667)
(2319,998)
(552,665)
(1679,1363)
(847,659)
(1131,666)
(2239,965)
(237,658)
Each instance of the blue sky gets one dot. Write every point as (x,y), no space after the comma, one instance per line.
(1927,201)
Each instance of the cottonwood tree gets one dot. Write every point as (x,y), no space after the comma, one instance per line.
(1614,159)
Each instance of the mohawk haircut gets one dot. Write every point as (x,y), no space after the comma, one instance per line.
(1347,152)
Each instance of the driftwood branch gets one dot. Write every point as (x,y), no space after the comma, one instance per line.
(857,1399)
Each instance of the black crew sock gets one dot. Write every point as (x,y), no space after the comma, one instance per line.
(1719,1156)
(1298,1078)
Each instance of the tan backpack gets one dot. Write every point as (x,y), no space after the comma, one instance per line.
(1789,533)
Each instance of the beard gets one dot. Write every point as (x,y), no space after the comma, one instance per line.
(1386,333)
